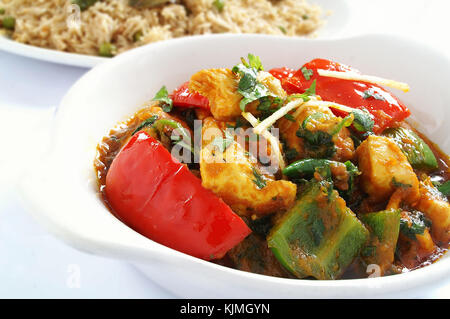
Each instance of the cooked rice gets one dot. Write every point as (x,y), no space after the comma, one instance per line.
(44,23)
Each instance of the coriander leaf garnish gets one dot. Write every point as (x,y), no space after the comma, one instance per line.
(264,104)
(311,90)
(370,93)
(282,29)
(307,73)
(254,62)
(223,143)
(239,123)
(345,122)
(363,120)
(414,225)
(291,154)
(369,251)
(319,142)
(259,179)
(396,183)
(353,172)
(248,86)
(289,117)
(165,101)
(147,122)
(267,106)
(305,96)
(412,230)
(219,4)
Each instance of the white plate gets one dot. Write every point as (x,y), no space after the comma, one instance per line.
(48,55)
(335,26)
(62,190)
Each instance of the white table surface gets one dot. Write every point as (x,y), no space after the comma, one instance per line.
(34,264)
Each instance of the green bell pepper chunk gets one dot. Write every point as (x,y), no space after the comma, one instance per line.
(320,236)
(444,188)
(419,154)
(384,227)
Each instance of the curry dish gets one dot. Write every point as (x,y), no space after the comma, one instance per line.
(310,173)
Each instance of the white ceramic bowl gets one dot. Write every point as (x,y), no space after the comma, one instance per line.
(62,190)
(335,26)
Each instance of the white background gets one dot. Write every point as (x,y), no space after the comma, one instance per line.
(34,264)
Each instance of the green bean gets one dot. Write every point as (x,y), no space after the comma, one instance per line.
(306,167)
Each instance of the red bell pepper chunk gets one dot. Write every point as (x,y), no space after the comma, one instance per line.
(182,97)
(286,76)
(383,105)
(153,193)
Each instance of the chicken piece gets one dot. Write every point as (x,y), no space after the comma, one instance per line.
(426,242)
(437,209)
(413,252)
(153,110)
(220,87)
(415,242)
(384,169)
(345,149)
(235,176)
(343,144)
(272,83)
